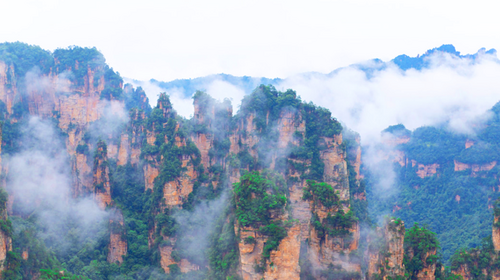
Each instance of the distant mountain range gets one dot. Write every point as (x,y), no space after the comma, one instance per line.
(248,84)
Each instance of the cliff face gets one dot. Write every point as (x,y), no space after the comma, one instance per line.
(73,103)
(117,247)
(5,239)
(5,246)
(8,89)
(496,233)
(285,259)
(459,166)
(83,175)
(429,269)
(425,170)
(102,187)
(387,262)
(167,262)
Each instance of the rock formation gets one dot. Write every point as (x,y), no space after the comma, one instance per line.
(101,183)
(6,227)
(387,251)
(117,247)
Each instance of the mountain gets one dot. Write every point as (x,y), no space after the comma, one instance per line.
(97,184)
(247,84)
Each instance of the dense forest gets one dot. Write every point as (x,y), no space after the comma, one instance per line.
(98,184)
(455,196)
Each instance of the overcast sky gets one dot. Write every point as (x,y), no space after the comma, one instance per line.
(166,40)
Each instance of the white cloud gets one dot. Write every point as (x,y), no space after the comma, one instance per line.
(183,103)
(452,90)
(221,90)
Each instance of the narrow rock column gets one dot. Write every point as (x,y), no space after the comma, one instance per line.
(495,235)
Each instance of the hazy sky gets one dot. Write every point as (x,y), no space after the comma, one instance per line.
(166,40)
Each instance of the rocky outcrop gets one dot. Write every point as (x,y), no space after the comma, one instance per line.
(387,251)
(463,271)
(357,161)
(469,143)
(496,233)
(124,151)
(204,142)
(167,261)
(101,183)
(459,166)
(5,238)
(82,170)
(8,89)
(117,247)
(250,252)
(25,254)
(150,174)
(289,125)
(245,137)
(5,246)
(426,170)
(394,238)
(429,269)
(335,173)
(284,262)
(175,193)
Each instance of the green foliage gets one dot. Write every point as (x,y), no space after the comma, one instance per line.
(78,60)
(130,195)
(461,198)
(336,225)
(25,57)
(82,149)
(397,130)
(54,274)
(266,105)
(420,245)
(136,99)
(433,145)
(101,149)
(256,196)
(113,85)
(4,197)
(482,262)
(276,233)
(479,153)
(10,137)
(6,227)
(223,253)
(321,193)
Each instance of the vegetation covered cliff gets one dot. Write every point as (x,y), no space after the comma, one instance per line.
(441,176)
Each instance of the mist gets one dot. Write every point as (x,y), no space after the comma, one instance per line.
(39,178)
(111,122)
(197,227)
(182,101)
(454,91)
